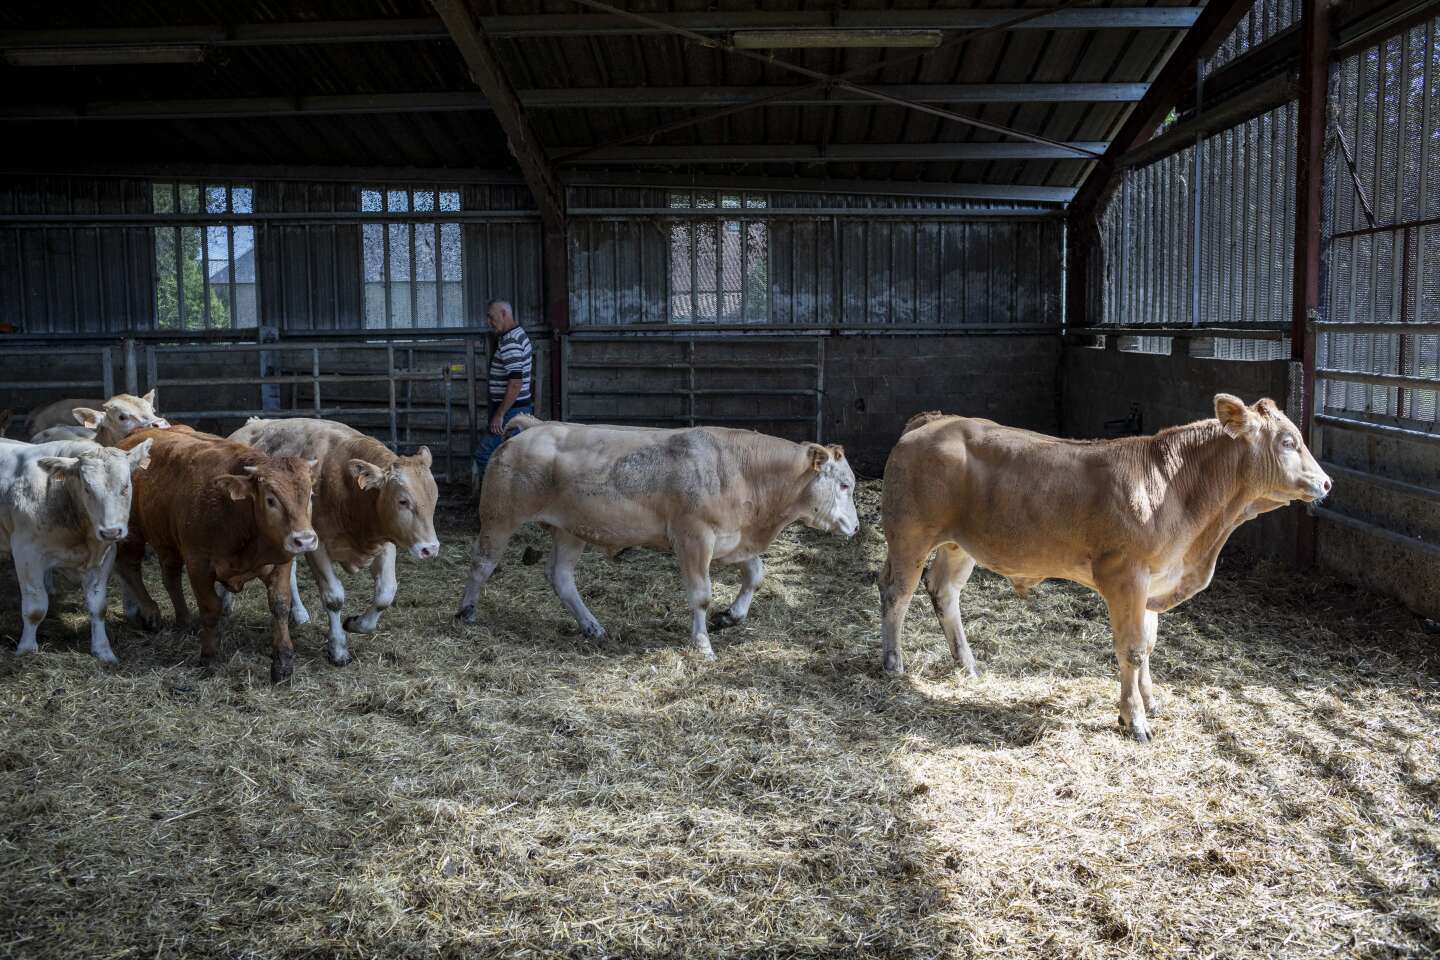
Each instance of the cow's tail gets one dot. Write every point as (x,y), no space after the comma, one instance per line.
(920,419)
(522,421)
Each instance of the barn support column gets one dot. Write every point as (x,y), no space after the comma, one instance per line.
(535,167)
(1316,42)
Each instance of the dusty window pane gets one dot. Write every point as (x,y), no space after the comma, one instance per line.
(162,197)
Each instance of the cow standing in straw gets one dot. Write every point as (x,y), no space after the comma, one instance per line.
(65,506)
(1141,520)
(706,494)
(369,502)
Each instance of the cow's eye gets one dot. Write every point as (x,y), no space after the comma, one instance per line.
(844,488)
(124,416)
(271,502)
(404,503)
(1288,443)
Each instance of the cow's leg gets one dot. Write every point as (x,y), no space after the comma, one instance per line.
(298,613)
(1147,690)
(282,650)
(1124,595)
(332,592)
(34,599)
(752,572)
(171,566)
(904,561)
(561,573)
(140,607)
(94,580)
(227,599)
(485,556)
(694,549)
(948,575)
(202,582)
(382,568)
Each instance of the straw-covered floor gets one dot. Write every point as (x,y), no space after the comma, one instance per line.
(511,789)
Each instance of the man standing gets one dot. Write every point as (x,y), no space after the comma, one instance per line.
(511,361)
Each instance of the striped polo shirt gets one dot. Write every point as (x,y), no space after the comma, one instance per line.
(511,359)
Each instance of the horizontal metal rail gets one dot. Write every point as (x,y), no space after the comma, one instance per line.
(1259,331)
(676,392)
(701,331)
(1385,228)
(1379,379)
(1399,486)
(1355,523)
(1378,429)
(1401,329)
(673,365)
(104,354)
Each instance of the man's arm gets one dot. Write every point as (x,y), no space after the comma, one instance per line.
(512,390)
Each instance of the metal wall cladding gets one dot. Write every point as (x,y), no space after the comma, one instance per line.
(72,278)
(1382,185)
(747,266)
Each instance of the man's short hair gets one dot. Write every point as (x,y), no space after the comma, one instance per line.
(500,303)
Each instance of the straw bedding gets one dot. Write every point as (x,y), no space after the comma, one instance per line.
(511,788)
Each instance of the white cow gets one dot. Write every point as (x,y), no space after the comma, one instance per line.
(64,506)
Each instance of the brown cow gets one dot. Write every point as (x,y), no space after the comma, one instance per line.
(225,513)
(115,419)
(369,501)
(1141,520)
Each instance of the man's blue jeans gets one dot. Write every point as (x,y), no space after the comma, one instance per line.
(489,443)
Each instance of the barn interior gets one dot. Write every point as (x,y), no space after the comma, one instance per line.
(810,219)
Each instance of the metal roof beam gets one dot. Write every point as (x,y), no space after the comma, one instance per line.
(837,153)
(563,98)
(584,25)
(1000,192)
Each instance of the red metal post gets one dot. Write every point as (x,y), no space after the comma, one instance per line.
(1316,43)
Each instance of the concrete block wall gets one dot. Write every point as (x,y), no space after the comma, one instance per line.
(874,383)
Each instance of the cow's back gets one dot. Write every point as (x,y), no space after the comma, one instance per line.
(175,503)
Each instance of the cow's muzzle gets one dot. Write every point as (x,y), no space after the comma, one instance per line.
(111,534)
(1317,489)
(424,551)
(302,542)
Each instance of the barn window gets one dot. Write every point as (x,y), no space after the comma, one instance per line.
(413,265)
(720,268)
(204,272)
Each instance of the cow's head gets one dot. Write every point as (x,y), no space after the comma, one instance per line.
(829,498)
(405,496)
(122,415)
(1285,469)
(280,491)
(99,483)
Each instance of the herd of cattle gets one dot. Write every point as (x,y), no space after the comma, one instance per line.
(1141,520)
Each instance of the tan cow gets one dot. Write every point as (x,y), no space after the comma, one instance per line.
(1141,520)
(114,419)
(226,514)
(368,502)
(706,494)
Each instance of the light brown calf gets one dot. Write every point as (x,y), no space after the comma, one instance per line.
(1141,520)
(368,502)
(226,514)
(114,419)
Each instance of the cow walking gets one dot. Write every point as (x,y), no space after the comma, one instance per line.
(223,513)
(65,506)
(369,502)
(707,494)
(1141,520)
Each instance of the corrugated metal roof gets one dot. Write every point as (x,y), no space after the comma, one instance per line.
(473,138)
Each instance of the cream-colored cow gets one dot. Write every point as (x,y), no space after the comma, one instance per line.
(1141,520)
(706,494)
(107,422)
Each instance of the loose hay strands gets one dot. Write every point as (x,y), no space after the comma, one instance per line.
(512,789)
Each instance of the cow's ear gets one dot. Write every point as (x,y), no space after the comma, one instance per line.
(57,466)
(366,474)
(150,398)
(87,418)
(236,487)
(1235,418)
(423,455)
(819,456)
(140,455)
(836,451)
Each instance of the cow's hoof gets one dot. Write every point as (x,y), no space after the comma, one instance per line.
(465,615)
(27,648)
(339,659)
(594,633)
(1140,730)
(702,647)
(210,666)
(354,624)
(723,619)
(894,664)
(108,659)
(149,622)
(1155,708)
(299,617)
(281,669)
